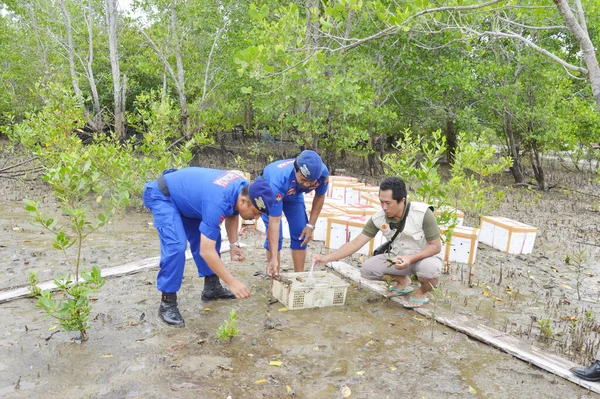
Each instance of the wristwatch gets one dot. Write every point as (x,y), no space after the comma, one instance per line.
(235,244)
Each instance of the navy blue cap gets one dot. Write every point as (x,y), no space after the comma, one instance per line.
(261,195)
(310,164)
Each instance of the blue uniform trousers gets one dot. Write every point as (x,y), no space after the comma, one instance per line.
(295,213)
(174,232)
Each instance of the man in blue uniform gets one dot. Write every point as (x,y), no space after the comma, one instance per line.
(290,179)
(189,205)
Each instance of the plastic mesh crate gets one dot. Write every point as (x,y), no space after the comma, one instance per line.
(298,291)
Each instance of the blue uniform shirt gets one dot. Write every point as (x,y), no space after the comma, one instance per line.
(206,194)
(282,178)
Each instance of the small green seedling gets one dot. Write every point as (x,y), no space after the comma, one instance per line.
(229,329)
(34,289)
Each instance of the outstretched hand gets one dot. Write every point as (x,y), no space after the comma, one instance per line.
(239,289)
(320,259)
(307,234)
(273,269)
(236,253)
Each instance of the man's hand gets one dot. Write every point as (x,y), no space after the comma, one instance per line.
(402,262)
(239,289)
(273,268)
(307,233)
(236,253)
(320,259)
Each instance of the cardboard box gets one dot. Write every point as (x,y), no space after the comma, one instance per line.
(507,235)
(347,192)
(369,191)
(285,227)
(321,226)
(462,246)
(339,179)
(342,229)
(356,210)
(370,199)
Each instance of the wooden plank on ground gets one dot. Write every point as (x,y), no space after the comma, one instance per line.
(505,342)
(121,270)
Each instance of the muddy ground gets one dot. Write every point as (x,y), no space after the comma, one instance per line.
(371,347)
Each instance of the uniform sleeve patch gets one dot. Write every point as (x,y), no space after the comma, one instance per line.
(226,178)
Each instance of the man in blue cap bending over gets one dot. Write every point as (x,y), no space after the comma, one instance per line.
(189,205)
(290,179)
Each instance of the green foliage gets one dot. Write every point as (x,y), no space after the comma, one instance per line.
(417,163)
(73,311)
(546,332)
(34,289)
(229,329)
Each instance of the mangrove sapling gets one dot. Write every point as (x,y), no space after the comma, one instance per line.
(34,289)
(388,282)
(436,292)
(546,333)
(73,312)
(578,260)
(75,180)
(229,329)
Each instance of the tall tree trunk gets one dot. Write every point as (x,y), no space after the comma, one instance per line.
(579,30)
(513,149)
(113,46)
(185,116)
(97,123)
(71,56)
(371,155)
(536,164)
(450,139)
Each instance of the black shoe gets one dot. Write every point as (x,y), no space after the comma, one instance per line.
(168,310)
(214,293)
(591,373)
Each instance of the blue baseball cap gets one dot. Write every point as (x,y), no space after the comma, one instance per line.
(310,164)
(261,195)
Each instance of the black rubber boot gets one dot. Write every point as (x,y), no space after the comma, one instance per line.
(591,373)
(169,311)
(213,289)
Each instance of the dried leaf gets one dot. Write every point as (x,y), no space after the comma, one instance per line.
(52,328)
(566,286)
(485,294)
(260,381)
(289,390)
(419,319)
(108,356)
(275,363)
(346,392)
(226,368)
(393,368)
(361,372)
(472,390)
(283,309)
(207,309)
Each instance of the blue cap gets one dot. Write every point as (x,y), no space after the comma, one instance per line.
(261,195)
(310,164)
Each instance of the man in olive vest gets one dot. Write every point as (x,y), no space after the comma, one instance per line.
(415,249)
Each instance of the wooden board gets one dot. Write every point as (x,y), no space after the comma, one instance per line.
(129,268)
(509,344)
